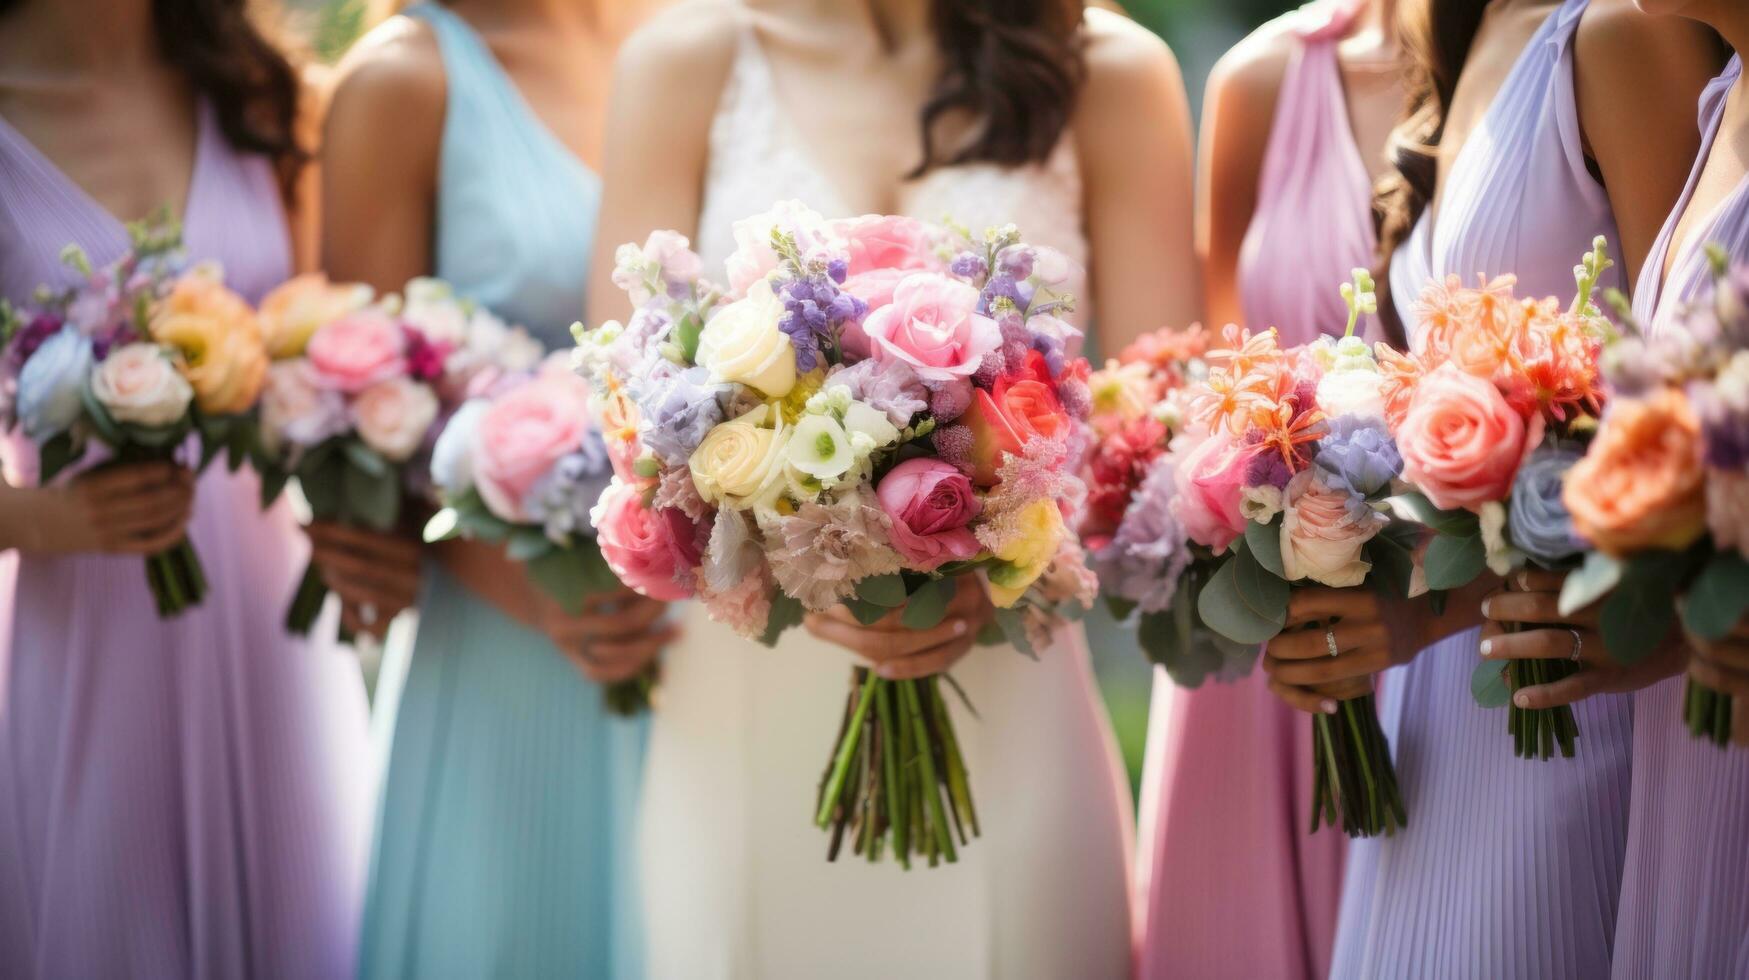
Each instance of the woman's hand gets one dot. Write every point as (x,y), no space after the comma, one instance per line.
(1547,635)
(375,574)
(1723,665)
(1303,670)
(613,638)
(898,653)
(123,509)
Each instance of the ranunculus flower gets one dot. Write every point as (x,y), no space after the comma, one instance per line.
(933,325)
(295,310)
(1015,411)
(1211,478)
(879,241)
(358,350)
(739,460)
(743,343)
(1641,483)
(1727,510)
(1536,518)
(1028,553)
(930,503)
(638,543)
(138,384)
(1324,532)
(224,357)
(393,416)
(51,386)
(524,432)
(1461,443)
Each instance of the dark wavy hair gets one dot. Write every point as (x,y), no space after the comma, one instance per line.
(222,48)
(1015,67)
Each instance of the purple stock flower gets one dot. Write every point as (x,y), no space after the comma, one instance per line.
(677,410)
(561,499)
(40,328)
(1723,409)
(1015,262)
(969,265)
(815,313)
(1149,553)
(1267,469)
(1358,455)
(1536,518)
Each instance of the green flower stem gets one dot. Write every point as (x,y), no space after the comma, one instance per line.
(958,780)
(306,603)
(943,837)
(1708,713)
(846,751)
(891,745)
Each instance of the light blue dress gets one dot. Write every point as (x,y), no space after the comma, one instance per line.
(504,842)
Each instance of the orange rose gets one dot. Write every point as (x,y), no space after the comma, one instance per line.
(1641,485)
(215,331)
(1004,419)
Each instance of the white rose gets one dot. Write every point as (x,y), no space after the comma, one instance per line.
(138,384)
(452,459)
(392,416)
(739,462)
(295,409)
(743,344)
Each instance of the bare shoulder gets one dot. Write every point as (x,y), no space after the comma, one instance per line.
(1122,54)
(683,52)
(1251,71)
(1661,49)
(396,68)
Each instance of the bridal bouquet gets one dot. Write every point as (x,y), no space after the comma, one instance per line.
(523,463)
(872,408)
(1282,475)
(137,356)
(1663,492)
(355,392)
(1491,413)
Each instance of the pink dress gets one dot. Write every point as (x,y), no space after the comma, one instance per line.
(1231,884)
(1685,881)
(183,798)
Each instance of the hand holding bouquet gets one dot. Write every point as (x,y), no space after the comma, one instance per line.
(876,407)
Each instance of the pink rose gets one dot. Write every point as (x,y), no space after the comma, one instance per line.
(645,548)
(874,288)
(1210,483)
(358,350)
(753,258)
(1461,443)
(879,241)
(933,325)
(930,503)
(1727,510)
(1324,532)
(523,434)
(393,416)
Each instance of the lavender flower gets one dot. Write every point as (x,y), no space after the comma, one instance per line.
(815,314)
(1150,552)
(677,408)
(1358,455)
(1537,520)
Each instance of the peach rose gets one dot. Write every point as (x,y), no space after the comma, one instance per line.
(293,312)
(1324,532)
(1017,410)
(223,355)
(1641,484)
(1461,443)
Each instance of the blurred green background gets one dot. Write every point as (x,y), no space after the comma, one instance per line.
(1199,31)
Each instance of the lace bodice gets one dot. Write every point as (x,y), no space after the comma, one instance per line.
(757,159)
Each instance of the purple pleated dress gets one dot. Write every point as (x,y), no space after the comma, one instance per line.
(1231,883)
(1685,886)
(1510,869)
(185,798)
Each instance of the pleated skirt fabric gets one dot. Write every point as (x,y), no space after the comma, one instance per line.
(1685,888)
(1510,869)
(185,798)
(504,841)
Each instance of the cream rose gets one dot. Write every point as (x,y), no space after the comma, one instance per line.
(740,460)
(1324,532)
(743,344)
(393,416)
(139,385)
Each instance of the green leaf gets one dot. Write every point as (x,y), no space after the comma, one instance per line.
(1719,597)
(686,335)
(560,575)
(1392,553)
(54,456)
(927,607)
(882,590)
(371,499)
(364,458)
(444,525)
(1589,582)
(1414,506)
(1120,608)
(1013,627)
(598,576)
(100,419)
(1488,685)
(785,613)
(1638,615)
(1454,562)
(1240,603)
(273,481)
(991,635)
(1264,543)
(527,544)
(867,613)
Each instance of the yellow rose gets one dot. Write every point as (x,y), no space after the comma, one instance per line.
(740,461)
(291,313)
(743,344)
(1027,553)
(219,340)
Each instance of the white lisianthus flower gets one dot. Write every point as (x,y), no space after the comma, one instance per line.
(866,421)
(820,448)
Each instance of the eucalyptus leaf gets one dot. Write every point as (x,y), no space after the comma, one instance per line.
(560,575)
(598,576)
(1013,627)
(1392,553)
(55,455)
(273,481)
(1454,562)
(1488,685)
(785,613)
(1415,506)
(99,417)
(527,544)
(371,499)
(927,606)
(1589,582)
(364,458)
(1240,615)
(883,590)
(867,613)
(1719,597)
(1119,608)
(1264,543)
(1636,618)
(443,525)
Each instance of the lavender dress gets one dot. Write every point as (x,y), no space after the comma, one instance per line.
(1685,901)
(1509,868)
(1231,882)
(184,798)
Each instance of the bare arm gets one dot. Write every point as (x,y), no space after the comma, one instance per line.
(1134,138)
(1638,79)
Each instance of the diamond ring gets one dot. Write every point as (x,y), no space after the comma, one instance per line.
(1330,642)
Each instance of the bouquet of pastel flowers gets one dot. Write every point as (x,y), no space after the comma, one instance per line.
(871,409)
(1662,493)
(1281,476)
(356,391)
(137,356)
(1491,413)
(523,462)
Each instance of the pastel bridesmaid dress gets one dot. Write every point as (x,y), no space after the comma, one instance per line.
(1685,887)
(184,797)
(1510,869)
(504,840)
(1231,882)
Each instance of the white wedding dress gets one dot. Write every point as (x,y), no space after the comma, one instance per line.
(735,878)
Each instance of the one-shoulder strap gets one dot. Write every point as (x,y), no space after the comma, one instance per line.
(1310,127)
